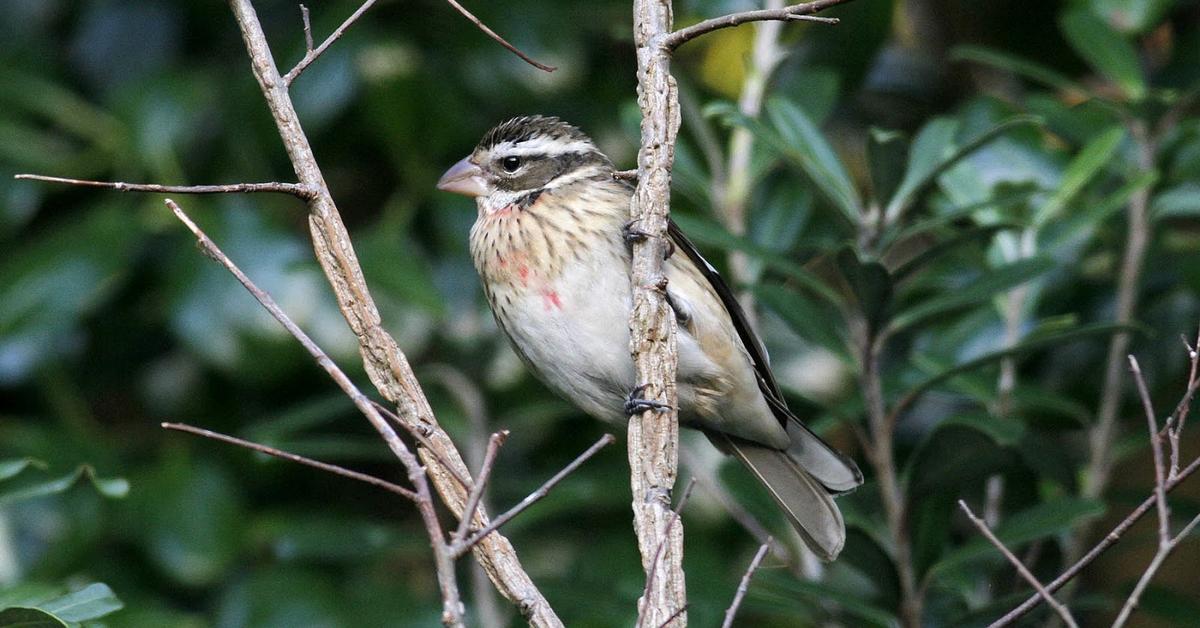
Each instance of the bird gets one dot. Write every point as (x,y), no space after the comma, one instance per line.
(552,247)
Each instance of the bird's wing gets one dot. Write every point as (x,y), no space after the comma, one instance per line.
(837,472)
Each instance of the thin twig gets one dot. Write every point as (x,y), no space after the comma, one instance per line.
(498,39)
(481,480)
(1165,542)
(673,616)
(308,39)
(744,586)
(793,13)
(1160,474)
(461,547)
(1063,612)
(452,606)
(287,455)
(422,438)
(312,54)
(1178,418)
(298,190)
(1108,541)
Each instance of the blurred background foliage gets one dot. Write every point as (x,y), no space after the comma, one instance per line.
(946,183)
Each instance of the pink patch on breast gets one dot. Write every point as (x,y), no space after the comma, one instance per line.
(551,300)
(523,273)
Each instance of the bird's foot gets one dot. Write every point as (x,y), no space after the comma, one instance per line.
(634,404)
(633,234)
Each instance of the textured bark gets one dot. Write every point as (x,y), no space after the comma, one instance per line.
(654,435)
(385,364)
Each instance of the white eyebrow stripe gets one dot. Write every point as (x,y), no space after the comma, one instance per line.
(543,146)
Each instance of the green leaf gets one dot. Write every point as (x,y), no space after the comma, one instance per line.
(710,234)
(810,321)
(886,151)
(972,294)
(11,467)
(1105,50)
(933,153)
(1031,343)
(1042,520)
(869,282)
(114,488)
(982,232)
(1005,432)
(1180,201)
(801,142)
(21,617)
(1091,160)
(91,602)
(1022,67)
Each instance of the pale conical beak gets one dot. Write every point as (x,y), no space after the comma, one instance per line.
(464,178)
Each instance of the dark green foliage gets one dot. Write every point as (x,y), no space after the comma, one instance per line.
(911,174)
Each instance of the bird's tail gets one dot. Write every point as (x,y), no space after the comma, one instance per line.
(807,503)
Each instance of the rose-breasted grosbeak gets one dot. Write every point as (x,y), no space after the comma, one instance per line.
(550,245)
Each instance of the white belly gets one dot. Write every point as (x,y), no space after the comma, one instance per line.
(574,331)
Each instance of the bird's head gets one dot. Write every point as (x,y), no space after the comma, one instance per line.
(523,158)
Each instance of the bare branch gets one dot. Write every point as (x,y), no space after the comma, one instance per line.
(683,499)
(481,479)
(452,606)
(626,175)
(279,453)
(744,585)
(497,38)
(298,190)
(383,361)
(308,39)
(793,13)
(311,54)
(1108,541)
(654,436)
(1058,607)
(461,547)
(1160,475)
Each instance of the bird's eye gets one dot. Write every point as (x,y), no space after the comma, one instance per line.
(510,163)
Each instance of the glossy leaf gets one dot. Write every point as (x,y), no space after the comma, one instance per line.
(22,617)
(1017,65)
(707,233)
(1105,50)
(91,602)
(974,293)
(805,145)
(1180,201)
(933,153)
(869,282)
(113,488)
(1030,344)
(966,236)
(1091,161)
(809,321)
(886,152)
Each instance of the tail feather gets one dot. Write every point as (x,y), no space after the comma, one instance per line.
(806,502)
(836,472)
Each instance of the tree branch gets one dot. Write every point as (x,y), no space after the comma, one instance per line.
(654,435)
(793,13)
(383,361)
(301,192)
(744,586)
(452,606)
(1058,607)
(286,455)
(311,54)
(498,39)
(461,547)
(481,480)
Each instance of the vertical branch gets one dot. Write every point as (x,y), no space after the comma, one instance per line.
(385,364)
(654,435)
(1103,433)
(882,458)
